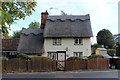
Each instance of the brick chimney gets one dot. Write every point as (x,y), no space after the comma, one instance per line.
(44,16)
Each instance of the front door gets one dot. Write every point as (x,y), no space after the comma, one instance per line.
(61,57)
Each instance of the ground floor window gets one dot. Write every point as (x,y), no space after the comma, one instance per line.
(52,55)
(80,54)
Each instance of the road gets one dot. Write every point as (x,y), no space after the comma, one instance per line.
(84,74)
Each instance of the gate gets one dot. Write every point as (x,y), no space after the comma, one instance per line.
(61,57)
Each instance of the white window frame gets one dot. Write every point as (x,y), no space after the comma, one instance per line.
(56,41)
(78,41)
(52,55)
(79,54)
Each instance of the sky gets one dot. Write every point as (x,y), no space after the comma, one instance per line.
(103,13)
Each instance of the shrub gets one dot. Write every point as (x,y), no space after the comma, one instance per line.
(95,56)
(41,57)
(74,58)
(23,56)
(111,52)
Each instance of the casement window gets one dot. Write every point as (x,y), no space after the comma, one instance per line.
(52,55)
(78,41)
(56,41)
(80,54)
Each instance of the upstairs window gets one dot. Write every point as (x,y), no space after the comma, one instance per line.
(78,41)
(56,41)
(80,54)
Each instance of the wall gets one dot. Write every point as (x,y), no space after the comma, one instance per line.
(68,43)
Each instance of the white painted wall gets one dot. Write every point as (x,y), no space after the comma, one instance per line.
(68,43)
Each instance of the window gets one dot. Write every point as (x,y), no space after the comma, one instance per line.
(78,41)
(78,54)
(56,41)
(52,55)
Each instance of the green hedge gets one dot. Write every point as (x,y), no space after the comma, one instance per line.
(23,56)
(74,58)
(95,56)
(111,52)
(41,57)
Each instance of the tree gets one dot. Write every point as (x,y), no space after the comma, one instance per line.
(6,36)
(12,11)
(34,25)
(16,34)
(96,45)
(105,38)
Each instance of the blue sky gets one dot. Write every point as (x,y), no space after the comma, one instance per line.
(103,13)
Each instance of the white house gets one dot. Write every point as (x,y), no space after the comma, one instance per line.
(67,34)
(63,36)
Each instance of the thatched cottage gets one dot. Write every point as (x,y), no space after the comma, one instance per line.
(59,37)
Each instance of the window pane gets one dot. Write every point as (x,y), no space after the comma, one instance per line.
(57,41)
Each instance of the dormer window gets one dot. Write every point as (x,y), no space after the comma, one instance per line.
(56,41)
(78,41)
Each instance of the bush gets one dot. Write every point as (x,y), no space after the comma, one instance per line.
(41,57)
(74,58)
(95,56)
(23,56)
(111,52)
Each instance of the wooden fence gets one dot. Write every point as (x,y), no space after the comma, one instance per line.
(98,63)
(76,65)
(44,64)
(35,64)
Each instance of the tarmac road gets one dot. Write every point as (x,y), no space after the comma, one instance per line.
(113,75)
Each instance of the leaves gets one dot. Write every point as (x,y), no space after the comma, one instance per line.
(16,34)
(12,11)
(105,37)
(34,25)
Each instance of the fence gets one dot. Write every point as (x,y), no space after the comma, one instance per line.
(35,64)
(98,63)
(76,65)
(44,64)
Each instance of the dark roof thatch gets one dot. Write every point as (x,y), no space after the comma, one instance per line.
(31,41)
(10,44)
(68,26)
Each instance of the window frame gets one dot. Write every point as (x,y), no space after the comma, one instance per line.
(52,55)
(56,41)
(80,54)
(79,41)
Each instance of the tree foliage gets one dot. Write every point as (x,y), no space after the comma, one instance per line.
(96,45)
(34,25)
(6,36)
(16,34)
(105,37)
(12,11)
(111,52)
(95,56)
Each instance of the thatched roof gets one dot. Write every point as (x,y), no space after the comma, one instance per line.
(31,41)
(68,26)
(10,44)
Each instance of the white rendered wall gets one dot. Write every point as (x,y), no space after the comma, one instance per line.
(68,43)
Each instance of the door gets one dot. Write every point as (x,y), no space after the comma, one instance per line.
(61,57)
